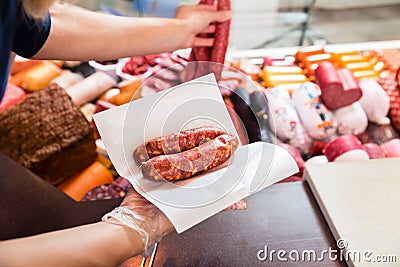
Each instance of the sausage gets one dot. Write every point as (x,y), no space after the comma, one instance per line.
(339,88)
(284,118)
(175,143)
(391,148)
(203,53)
(374,151)
(336,149)
(351,119)
(259,105)
(317,120)
(191,162)
(241,101)
(375,102)
(194,69)
(221,40)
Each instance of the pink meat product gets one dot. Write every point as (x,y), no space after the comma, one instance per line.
(12,96)
(339,88)
(135,66)
(151,60)
(350,84)
(392,148)
(374,151)
(341,145)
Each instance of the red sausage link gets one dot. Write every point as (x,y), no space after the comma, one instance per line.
(198,69)
(221,40)
(175,143)
(191,162)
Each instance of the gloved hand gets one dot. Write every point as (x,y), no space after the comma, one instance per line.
(138,214)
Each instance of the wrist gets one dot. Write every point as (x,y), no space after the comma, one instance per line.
(184,34)
(126,240)
(135,224)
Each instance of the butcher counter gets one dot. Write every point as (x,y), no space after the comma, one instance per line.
(282,217)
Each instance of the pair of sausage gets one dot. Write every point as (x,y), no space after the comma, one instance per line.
(201,56)
(184,154)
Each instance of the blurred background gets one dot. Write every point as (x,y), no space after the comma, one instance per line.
(281,23)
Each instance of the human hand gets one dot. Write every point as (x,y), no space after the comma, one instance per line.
(138,214)
(198,19)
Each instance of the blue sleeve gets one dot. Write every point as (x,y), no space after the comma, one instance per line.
(29,34)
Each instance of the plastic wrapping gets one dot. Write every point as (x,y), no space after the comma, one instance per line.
(138,214)
(351,119)
(315,117)
(283,114)
(374,101)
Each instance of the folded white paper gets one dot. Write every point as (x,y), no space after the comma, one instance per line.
(193,104)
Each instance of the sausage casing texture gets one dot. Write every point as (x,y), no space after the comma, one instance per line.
(221,40)
(175,143)
(191,162)
(201,53)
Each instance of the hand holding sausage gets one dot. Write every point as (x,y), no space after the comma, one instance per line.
(198,19)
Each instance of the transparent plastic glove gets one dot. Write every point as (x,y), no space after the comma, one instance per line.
(138,214)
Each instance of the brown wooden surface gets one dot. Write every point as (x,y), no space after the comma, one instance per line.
(283,216)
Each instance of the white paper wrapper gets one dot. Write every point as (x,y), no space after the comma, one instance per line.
(193,104)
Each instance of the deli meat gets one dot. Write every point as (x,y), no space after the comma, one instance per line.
(175,143)
(183,165)
(48,134)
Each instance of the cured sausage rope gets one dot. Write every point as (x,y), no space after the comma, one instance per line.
(202,53)
(194,68)
(221,40)
(214,54)
(191,162)
(175,143)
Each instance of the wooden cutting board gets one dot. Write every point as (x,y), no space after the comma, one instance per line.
(361,203)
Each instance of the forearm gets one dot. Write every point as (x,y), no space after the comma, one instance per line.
(84,35)
(99,244)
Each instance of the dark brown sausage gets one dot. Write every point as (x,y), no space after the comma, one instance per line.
(191,162)
(221,40)
(175,143)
